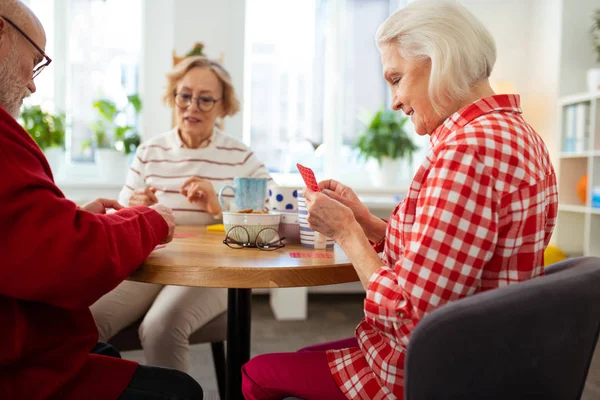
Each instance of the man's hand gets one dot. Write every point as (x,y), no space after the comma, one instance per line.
(100,206)
(167,214)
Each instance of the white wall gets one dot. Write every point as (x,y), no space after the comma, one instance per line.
(509,23)
(177,25)
(543,49)
(159,38)
(544,71)
(577,54)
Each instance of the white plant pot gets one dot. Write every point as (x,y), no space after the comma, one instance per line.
(56,159)
(386,175)
(593,79)
(112,165)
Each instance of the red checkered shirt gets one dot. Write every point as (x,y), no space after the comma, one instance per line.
(478,215)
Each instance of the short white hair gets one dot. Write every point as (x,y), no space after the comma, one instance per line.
(460,48)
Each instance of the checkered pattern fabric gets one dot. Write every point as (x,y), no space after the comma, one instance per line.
(479,213)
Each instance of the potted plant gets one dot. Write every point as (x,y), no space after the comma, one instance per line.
(48,131)
(385,140)
(593,75)
(113,141)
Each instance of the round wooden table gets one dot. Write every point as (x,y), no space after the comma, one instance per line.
(203,260)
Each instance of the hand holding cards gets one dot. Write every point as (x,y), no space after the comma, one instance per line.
(309,178)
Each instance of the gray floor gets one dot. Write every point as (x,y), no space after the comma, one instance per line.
(330,317)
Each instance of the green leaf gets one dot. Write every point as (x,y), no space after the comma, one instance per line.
(131,143)
(106,108)
(595,33)
(106,132)
(136,102)
(385,136)
(120,131)
(46,129)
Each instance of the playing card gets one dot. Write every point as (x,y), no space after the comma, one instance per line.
(309,178)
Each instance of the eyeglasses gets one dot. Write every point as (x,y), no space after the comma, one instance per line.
(42,64)
(204,103)
(267,239)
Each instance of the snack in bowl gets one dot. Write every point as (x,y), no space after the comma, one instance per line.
(251,211)
(253,223)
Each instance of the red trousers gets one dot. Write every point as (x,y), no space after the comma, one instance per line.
(304,374)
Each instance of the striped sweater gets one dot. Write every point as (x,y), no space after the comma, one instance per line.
(165,163)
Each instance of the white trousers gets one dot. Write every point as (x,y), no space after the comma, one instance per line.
(173,313)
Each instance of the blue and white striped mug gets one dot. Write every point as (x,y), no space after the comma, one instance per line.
(248,193)
(308,237)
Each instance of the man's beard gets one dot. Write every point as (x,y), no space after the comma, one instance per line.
(11,92)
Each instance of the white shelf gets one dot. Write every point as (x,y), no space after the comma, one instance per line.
(579,98)
(573,208)
(583,154)
(578,226)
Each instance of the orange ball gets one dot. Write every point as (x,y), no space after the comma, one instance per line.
(582,189)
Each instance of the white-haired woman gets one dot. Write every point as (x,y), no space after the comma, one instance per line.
(478,215)
(183,169)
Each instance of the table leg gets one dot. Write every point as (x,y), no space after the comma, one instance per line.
(239,312)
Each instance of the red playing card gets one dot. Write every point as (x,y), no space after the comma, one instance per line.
(309,178)
(311,255)
(184,235)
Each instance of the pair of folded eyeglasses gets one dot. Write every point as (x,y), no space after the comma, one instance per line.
(267,239)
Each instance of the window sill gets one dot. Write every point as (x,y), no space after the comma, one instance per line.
(295,180)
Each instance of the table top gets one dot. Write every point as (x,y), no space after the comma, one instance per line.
(204,261)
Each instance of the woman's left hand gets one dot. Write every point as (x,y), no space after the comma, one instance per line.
(329,216)
(201,192)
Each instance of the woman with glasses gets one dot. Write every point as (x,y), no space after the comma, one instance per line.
(184,169)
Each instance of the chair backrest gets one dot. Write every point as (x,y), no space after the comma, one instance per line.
(531,340)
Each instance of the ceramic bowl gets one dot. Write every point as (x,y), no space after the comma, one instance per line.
(253,223)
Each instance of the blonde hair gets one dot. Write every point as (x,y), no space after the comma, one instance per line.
(231,104)
(461,50)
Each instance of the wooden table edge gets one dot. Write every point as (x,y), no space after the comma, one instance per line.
(247,278)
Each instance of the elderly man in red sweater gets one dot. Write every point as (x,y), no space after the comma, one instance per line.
(58,259)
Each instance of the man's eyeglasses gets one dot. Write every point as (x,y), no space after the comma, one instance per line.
(204,103)
(42,64)
(267,239)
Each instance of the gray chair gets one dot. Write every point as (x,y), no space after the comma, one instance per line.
(214,332)
(532,340)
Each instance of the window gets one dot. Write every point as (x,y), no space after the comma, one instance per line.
(90,61)
(311,81)
(286,75)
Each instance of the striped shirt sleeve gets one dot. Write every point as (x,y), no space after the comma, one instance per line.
(454,236)
(135,178)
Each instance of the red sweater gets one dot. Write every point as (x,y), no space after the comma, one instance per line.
(56,261)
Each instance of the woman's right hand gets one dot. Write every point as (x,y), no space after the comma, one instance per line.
(347,197)
(143,197)
(373,227)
